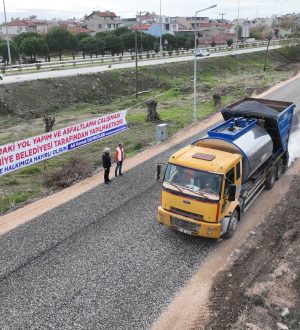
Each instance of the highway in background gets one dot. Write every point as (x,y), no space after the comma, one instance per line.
(101,68)
(101,261)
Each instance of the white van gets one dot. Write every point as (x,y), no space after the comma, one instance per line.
(202,52)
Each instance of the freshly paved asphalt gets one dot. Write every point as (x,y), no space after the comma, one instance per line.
(100,261)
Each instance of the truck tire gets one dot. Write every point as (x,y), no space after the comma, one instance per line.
(231,225)
(271,178)
(286,157)
(279,169)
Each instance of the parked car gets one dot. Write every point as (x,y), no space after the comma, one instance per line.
(202,52)
(29,61)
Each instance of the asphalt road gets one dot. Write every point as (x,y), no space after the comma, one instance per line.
(100,261)
(100,68)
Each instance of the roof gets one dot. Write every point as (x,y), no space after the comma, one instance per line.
(103,14)
(79,29)
(26,22)
(141,27)
(219,164)
(17,23)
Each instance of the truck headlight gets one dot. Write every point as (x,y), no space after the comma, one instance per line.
(161,217)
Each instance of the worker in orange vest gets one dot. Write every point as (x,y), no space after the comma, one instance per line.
(119,157)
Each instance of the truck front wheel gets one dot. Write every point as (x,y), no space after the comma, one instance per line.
(231,225)
(271,177)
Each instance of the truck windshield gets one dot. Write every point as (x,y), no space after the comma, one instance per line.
(190,180)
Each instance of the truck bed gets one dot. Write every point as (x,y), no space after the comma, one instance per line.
(274,116)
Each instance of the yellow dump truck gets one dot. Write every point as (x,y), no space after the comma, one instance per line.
(208,185)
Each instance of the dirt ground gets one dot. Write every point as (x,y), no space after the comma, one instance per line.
(263,277)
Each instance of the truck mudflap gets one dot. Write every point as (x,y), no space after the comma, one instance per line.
(187,225)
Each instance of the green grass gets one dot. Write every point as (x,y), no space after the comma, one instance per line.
(6,202)
(30,170)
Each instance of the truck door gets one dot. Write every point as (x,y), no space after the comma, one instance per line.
(229,179)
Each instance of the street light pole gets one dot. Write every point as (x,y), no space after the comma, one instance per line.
(160,37)
(195,63)
(237,25)
(7,37)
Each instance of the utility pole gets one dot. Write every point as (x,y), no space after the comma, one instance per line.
(237,25)
(161,29)
(222,14)
(7,37)
(140,13)
(136,64)
(266,56)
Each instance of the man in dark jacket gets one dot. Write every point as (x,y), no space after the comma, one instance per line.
(106,161)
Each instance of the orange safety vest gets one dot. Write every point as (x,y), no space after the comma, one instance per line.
(119,155)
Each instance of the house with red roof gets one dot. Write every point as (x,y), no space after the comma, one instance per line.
(100,21)
(18,26)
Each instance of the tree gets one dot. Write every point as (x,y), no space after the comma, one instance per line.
(213,43)
(171,41)
(33,47)
(128,41)
(81,35)
(73,46)
(92,45)
(19,38)
(148,42)
(113,44)
(120,31)
(14,52)
(229,42)
(59,40)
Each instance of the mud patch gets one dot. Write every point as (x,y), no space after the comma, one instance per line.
(263,278)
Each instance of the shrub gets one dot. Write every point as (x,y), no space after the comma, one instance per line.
(30,170)
(73,169)
(38,66)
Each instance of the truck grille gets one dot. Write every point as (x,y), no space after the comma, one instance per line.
(190,226)
(187,214)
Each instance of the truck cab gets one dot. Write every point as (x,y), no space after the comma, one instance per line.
(199,191)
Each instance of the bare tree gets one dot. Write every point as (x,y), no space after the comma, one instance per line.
(49,123)
(152,112)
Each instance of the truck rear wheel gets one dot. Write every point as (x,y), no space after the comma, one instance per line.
(231,225)
(279,169)
(271,177)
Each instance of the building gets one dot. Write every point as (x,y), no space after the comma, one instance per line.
(76,29)
(100,21)
(19,26)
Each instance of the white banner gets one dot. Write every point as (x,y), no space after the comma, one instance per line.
(15,155)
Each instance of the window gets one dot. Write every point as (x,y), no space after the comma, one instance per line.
(229,179)
(167,27)
(100,26)
(238,170)
(109,26)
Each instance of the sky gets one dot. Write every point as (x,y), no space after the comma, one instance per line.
(78,8)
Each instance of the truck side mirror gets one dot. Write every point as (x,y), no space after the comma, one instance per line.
(158,171)
(159,167)
(231,192)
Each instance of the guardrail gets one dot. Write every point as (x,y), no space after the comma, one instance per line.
(80,62)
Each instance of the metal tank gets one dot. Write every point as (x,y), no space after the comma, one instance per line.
(241,136)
